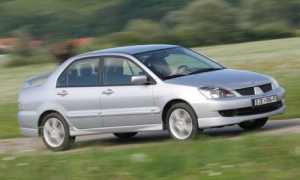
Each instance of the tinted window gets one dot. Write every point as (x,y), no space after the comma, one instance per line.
(80,73)
(172,61)
(119,71)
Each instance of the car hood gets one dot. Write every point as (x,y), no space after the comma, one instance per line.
(226,78)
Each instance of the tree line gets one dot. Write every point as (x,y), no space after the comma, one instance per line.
(209,22)
(188,23)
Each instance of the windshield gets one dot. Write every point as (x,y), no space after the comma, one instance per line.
(175,62)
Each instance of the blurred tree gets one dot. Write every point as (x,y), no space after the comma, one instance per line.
(216,18)
(22,48)
(69,19)
(210,22)
(123,38)
(235,3)
(173,19)
(62,50)
(265,19)
(145,30)
(184,36)
(2,52)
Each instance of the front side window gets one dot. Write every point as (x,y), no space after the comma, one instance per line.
(118,71)
(80,74)
(174,62)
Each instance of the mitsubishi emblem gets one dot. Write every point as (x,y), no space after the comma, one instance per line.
(257,90)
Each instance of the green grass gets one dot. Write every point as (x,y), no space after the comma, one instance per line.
(8,121)
(277,58)
(251,157)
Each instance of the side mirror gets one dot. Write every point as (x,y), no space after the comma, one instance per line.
(140,79)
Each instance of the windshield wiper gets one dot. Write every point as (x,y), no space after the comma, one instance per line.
(173,76)
(205,70)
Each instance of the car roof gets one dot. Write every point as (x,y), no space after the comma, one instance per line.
(133,49)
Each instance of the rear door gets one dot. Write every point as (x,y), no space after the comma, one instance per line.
(78,94)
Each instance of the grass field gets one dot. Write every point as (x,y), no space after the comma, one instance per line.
(277,58)
(251,157)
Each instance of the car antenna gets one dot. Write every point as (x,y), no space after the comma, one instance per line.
(84,44)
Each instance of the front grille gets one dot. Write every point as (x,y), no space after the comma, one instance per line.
(250,91)
(246,91)
(250,111)
(266,88)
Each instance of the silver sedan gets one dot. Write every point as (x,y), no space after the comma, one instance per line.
(127,90)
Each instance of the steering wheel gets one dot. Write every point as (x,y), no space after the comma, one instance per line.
(182,66)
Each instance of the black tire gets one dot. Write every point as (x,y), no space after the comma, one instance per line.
(55,133)
(254,124)
(182,123)
(125,135)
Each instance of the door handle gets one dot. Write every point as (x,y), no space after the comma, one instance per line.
(62,93)
(108,92)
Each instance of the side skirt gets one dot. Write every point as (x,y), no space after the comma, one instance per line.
(142,128)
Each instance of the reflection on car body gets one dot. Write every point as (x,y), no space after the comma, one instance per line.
(132,89)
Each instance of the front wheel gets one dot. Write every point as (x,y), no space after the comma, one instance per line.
(182,122)
(55,133)
(253,124)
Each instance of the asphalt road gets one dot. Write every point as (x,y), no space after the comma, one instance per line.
(109,141)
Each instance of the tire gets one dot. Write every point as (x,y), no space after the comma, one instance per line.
(253,124)
(125,135)
(182,122)
(55,133)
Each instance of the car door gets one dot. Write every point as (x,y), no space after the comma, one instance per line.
(125,104)
(78,94)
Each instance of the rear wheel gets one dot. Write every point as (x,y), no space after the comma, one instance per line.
(253,124)
(125,135)
(182,122)
(55,133)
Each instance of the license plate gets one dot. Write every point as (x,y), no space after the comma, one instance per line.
(264,101)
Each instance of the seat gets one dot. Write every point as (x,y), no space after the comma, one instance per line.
(86,78)
(73,74)
(114,70)
(86,69)
(114,73)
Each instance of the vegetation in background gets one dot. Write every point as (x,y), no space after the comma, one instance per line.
(22,47)
(71,19)
(23,54)
(39,56)
(267,19)
(250,157)
(62,50)
(189,23)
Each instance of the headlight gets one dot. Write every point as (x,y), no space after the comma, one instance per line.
(274,83)
(215,92)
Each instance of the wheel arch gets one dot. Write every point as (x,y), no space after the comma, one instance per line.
(42,116)
(168,106)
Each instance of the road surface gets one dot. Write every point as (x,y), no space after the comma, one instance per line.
(28,145)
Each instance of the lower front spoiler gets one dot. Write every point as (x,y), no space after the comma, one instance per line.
(204,123)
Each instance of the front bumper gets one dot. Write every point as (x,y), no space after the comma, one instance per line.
(209,116)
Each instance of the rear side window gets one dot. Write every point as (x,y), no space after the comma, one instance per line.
(82,73)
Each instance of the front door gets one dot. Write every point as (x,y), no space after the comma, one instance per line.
(125,104)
